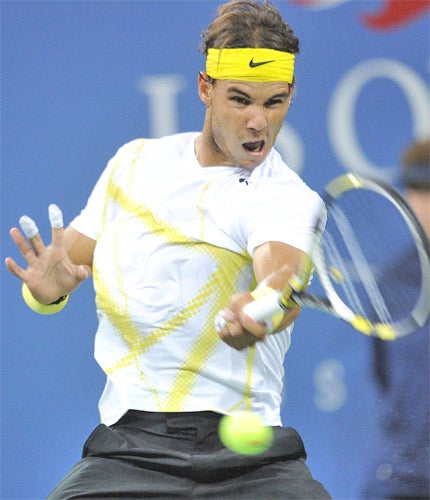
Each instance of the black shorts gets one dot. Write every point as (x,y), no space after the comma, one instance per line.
(179,455)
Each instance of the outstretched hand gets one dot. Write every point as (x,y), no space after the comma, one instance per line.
(50,273)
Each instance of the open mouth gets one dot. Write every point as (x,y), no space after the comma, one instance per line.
(254,146)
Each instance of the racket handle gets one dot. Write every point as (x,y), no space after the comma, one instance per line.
(261,310)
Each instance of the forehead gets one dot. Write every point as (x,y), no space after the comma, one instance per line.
(263,90)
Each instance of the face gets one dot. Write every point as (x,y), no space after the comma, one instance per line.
(242,121)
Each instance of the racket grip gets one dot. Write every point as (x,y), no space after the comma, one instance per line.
(263,308)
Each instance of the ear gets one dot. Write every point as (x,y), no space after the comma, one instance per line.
(204,88)
(292,87)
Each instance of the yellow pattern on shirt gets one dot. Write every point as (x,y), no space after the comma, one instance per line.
(216,291)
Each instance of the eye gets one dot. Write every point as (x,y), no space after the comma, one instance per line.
(277,101)
(240,100)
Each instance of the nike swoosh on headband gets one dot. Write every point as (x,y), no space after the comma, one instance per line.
(250,64)
(253,64)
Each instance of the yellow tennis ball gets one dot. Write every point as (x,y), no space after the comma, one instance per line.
(245,433)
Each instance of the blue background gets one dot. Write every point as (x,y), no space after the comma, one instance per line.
(74,87)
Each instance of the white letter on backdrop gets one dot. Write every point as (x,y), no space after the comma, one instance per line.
(330,386)
(341,112)
(162,91)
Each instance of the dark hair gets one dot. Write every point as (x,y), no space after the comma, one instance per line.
(416,166)
(248,23)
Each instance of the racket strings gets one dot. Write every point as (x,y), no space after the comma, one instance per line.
(362,269)
(340,273)
(373,263)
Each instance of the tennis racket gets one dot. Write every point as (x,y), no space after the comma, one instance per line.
(371,256)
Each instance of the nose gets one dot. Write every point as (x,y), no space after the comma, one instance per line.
(257,119)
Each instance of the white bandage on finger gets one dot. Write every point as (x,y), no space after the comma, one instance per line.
(55,217)
(28,226)
(220,321)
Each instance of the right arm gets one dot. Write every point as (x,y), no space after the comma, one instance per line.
(274,263)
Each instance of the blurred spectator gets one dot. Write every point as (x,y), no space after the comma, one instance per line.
(400,456)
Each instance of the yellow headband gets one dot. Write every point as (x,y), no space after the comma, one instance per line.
(252,65)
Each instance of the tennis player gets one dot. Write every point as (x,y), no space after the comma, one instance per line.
(175,230)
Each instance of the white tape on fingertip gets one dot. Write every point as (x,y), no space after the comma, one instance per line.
(220,321)
(55,216)
(28,226)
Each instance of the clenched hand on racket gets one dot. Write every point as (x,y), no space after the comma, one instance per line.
(274,265)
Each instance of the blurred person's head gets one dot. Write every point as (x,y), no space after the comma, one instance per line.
(415,179)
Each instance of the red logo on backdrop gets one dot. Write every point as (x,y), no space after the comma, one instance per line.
(392,14)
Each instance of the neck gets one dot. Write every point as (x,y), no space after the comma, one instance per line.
(207,152)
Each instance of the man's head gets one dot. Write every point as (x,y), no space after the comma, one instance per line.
(248,25)
(248,84)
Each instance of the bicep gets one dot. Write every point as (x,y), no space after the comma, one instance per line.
(79,247)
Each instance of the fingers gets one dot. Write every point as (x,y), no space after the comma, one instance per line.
(84,272)
(14,268)
(55,216)
(28,252)
(240,331)
(28,226)
(57,225)
(30,229)
(50,272)
(25,249)
(36,246)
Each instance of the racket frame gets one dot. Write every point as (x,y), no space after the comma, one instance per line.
(295,292)
(333,304)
